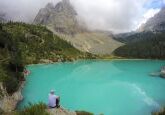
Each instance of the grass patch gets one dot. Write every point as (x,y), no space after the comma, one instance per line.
(83,113)
(34,109)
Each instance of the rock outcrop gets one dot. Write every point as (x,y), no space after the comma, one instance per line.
(64,21)
(94,42)
(8,103)
(156,23)
(162,72)
(62,17)
(60,111)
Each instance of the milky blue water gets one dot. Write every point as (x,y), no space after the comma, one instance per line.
(121,87)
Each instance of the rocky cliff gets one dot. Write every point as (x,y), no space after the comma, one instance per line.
(8,102)
(156,23)
(63,20)
(60,111)
(99,43)
(62,17)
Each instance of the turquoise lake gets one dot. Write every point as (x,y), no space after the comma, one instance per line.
(119,87)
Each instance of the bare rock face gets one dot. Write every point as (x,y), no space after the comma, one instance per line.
(60,111)
(64,21)
(8,103)
(156,23)
(162,72)
(62,17)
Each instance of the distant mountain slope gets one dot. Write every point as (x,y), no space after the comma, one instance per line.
(133,36)
(148,43)
(156,23)
(100,43)
(149,47)
(62,17)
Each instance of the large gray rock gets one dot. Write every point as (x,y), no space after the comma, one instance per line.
(8,103)
(62,17)
(162,72)
(156,23)
(64,21)
(60,111)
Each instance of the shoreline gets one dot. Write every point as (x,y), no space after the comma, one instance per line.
(124,59)
(19,91)
(10,102)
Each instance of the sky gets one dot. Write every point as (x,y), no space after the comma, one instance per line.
(113,15)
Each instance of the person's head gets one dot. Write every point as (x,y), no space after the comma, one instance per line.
(52,92)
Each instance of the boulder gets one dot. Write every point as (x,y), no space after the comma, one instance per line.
(8,103)
(60,111)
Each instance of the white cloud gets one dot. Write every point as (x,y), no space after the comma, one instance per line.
(148,14)
(23,10)
(115,15)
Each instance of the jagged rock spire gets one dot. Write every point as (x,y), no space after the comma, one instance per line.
(62,17)
(156,23)
(50,5)
(66,1)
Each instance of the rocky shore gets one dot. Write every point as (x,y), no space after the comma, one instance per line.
(162,72)
(60,111)
(8,102)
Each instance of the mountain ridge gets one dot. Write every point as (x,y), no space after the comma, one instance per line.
(155,23)
(61,17)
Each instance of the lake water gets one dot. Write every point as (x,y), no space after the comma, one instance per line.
(121,87)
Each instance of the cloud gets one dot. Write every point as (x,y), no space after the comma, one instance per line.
(114,15)
(148,14)
(23,10)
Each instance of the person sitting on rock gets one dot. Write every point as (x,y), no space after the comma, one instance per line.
(53,100)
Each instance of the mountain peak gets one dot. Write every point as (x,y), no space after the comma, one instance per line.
(62,17)
(65,6)
(66,1)
(50,5)
(156,23)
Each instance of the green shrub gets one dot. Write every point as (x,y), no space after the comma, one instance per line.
(34,109)
(83,113)
(11,84)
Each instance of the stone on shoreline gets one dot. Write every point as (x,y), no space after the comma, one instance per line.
(162,72)
(9,102)
(60,111)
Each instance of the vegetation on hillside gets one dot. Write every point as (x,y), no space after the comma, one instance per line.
(22,44)
(34,109)
(150,47)
(40,109)
(132,37)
